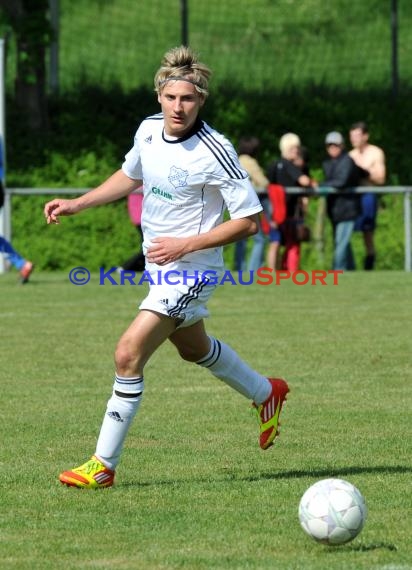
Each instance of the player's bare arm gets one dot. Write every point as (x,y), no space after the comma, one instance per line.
(167,249)
(115,187)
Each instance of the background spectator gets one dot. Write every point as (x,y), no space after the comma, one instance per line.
(248,149)
(372,159)
(341,173)
(288,171)
(24,267)
(134,207)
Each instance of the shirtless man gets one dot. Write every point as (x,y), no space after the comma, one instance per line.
(372,159)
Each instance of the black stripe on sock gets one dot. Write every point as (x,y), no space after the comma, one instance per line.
(135,380)
(214,357)
(127,394)
(219,347)
(210,354)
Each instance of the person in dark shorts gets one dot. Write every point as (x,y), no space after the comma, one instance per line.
(371,158)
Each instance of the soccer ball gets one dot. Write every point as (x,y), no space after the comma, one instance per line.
(332,511)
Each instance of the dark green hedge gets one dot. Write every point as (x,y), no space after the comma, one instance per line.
(99,237)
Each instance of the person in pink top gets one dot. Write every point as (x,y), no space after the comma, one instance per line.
(134,207)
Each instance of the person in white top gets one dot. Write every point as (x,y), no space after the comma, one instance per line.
(247,150)
(190,176)
(371,158)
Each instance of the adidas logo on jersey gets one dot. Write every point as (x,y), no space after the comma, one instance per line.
(148,139)
(164,301)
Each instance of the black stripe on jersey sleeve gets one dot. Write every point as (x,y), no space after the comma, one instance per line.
(221,154)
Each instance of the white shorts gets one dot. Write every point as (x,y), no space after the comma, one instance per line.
(180,293)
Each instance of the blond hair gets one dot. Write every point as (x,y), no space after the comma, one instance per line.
(181,63)
(288,141)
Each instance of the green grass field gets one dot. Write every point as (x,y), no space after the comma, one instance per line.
(194,490)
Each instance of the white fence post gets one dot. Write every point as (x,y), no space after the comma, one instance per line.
(3,212)
(408,237)
(2,264)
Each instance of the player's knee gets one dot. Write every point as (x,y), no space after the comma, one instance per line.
(126,359)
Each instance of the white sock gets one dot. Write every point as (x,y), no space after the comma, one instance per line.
(121,409)
(225,364)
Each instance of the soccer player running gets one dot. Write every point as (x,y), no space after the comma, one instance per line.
(190,175)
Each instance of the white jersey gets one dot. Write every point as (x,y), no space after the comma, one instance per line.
(188,183)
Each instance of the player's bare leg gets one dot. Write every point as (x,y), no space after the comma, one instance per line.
(143,337)
(191,342)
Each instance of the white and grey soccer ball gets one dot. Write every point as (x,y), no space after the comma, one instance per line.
(332,511)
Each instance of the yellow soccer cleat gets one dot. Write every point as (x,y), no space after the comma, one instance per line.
(91,475)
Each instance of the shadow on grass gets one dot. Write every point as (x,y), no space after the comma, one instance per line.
(337,472)
(295,474)
(364,547)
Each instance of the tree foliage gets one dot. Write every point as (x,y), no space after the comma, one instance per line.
(29,21)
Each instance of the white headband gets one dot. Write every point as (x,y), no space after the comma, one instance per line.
(179,78)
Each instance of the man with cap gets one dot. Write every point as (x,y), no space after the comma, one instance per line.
(342,173)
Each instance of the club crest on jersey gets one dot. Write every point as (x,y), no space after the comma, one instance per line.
(178,177)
